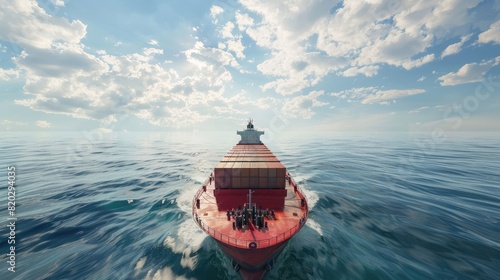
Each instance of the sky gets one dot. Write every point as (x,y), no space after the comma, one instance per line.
(353,65)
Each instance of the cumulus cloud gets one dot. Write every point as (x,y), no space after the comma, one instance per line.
(457,47)
(491,35)
(469,73)
(214,12)
(302,106)
(385,95)
(227,30)
(42,124)
(236,47)
(63,77)
(25,23)
(356,37)
(243,21)
(7,74)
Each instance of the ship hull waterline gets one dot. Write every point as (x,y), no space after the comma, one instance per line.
(252,259)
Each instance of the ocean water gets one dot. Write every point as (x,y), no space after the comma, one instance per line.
(117,206)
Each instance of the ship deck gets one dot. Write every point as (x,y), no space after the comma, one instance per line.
(213,219)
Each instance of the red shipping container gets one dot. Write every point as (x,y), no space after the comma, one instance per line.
(245,182)
(280,183)
(263,172)
(236,182)
(272,183)
(271,172)
(263,182)
(254,170)
(254,182)
(245,169)
(223,182)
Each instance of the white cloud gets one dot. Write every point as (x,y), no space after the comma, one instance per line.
(455,48)
(368,71)
(237,47)
(43,124)
(209,57)
(154,42)
(415,111)
(409,64)
(214,12)
(23,22)
(261,103)
(59,3)
(469,73)
(302,106)
(297,72)
(152,51)
(384,95)
(359,37)
(266,102)
(7,74)
(62,77)
(109,120)
(421,79)
(491,35)
(354,94)
(243,21)
(227,30)
(397,49)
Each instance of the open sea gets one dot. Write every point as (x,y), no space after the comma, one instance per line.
(118,206)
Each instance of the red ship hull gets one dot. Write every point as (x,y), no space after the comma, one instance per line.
(253,260)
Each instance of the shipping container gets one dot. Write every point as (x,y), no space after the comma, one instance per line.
(263,182)
(272,182)
(254,169)
(245,169)
(254,182)
(236,182)
(245,182)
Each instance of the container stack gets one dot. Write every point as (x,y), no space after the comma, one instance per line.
(250,166)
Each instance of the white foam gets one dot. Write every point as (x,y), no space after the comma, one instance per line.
(188,241)
(185,199)
(165,273)
(312,197)
(139,265)
(314,225)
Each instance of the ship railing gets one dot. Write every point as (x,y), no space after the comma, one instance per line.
(261,243)
(301,194)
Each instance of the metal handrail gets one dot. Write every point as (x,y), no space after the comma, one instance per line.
(262,243)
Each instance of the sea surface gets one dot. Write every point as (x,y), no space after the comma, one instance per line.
(91,205)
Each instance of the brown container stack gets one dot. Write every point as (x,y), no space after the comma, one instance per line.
(250,166)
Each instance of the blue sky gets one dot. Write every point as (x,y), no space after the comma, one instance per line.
(372,65)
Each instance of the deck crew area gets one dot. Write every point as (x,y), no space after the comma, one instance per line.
(276,225)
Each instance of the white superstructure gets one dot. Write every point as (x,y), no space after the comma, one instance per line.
(250,135)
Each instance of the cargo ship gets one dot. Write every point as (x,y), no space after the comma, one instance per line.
(250,205)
